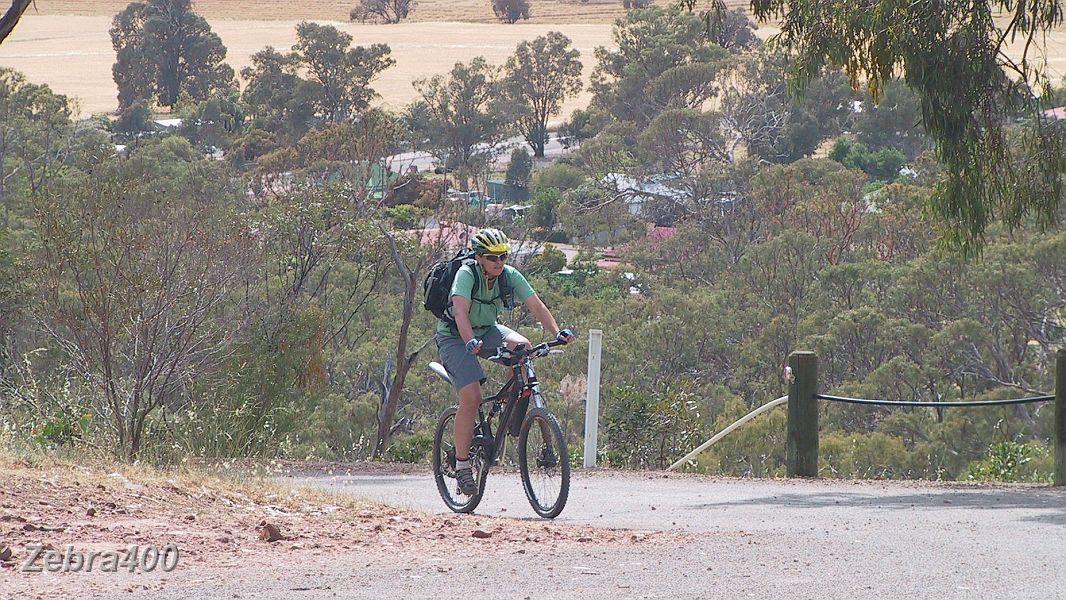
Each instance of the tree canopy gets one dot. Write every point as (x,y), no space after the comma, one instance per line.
(341,74)
(664,59)
(539,77)
(164,50)
(461,116)
(955,56)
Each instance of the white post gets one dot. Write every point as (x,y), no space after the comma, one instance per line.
(592,398)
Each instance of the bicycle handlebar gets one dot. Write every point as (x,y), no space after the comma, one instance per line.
(505,355)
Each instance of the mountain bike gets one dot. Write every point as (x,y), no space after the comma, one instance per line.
(543,459)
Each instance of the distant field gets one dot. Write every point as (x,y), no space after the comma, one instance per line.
(477,11)
(73,54)
(65,43)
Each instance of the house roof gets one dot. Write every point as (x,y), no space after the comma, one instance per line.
(656,186)
(448,235)
(659,234)
(1056,113)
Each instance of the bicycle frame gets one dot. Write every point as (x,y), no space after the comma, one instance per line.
(506,400)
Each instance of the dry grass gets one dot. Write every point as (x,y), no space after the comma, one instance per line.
(73,54)
(475,11)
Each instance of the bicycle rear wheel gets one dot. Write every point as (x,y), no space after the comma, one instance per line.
(544,462)
(444,466)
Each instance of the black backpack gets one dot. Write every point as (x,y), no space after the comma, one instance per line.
(437,286)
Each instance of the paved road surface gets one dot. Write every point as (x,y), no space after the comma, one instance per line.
(749,539)
(809,539)
(1035,516)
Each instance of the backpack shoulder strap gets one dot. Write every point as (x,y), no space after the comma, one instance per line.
(476,286)
(506,293)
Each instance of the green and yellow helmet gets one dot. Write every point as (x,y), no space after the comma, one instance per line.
(490,241)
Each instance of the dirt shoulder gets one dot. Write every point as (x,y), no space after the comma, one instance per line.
(218,516)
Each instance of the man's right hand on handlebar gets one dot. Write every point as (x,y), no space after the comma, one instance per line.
(565,335)
(473,346)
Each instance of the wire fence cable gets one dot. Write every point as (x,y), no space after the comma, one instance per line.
(933,404)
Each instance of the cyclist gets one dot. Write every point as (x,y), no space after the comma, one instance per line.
(476,333)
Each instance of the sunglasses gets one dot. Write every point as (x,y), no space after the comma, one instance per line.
(495,257)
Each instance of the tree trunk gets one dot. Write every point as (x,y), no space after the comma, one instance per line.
(12,16)
(3,177)
(393,392)
(387,412)
(537,141)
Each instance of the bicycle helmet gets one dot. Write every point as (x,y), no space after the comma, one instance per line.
(490,241)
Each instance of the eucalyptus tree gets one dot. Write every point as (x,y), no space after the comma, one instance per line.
(384,11)
(663,59)
(461,116)
(136,263)
(164,50)
(539,77)
(341,74)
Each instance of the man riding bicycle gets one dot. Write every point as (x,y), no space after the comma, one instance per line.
(476,300)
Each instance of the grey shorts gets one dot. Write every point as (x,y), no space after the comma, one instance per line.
(464,367)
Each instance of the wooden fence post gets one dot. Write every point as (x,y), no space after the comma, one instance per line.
(1060,417)
(802,445)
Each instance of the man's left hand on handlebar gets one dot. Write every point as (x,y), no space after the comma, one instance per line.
(565,335)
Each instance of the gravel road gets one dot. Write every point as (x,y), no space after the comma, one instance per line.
(740,539)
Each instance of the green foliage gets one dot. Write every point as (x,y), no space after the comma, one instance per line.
(892,121)
(953,56)
(731,29)
(65,426)
(106,305)
(546,201)
(133,120)
(883,164)
(664,59)
(519,168)
(384,11)
(774,125)
(863,456)
(406,216)
(550,260)
(510,11)
(755,450)
(539,77)
(324,78)
(647,432)
(415,448)
(278,98)
(561,176)
(212,123)
(164,50)
(1013,461)
(339,74)
(460,115)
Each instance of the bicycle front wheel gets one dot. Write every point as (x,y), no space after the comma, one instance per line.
(444,466)
(544,462)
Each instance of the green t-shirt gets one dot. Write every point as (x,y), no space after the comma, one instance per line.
(485,304)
